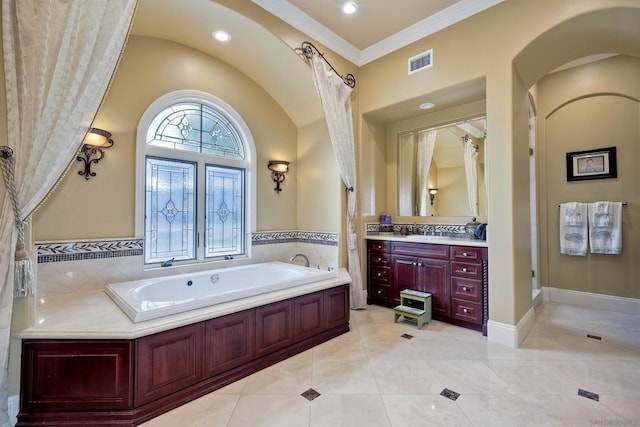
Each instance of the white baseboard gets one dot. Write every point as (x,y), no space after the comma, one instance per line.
(13,403)
(591,300)
(510,335)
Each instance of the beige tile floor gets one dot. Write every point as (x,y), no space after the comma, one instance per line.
(372,377)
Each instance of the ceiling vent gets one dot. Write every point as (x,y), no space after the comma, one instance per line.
(421,61)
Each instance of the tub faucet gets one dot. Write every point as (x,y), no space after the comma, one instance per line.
(167,263)
(306,260)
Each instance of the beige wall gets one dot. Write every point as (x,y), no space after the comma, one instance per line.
(589,107)
(512,45)
(104,205)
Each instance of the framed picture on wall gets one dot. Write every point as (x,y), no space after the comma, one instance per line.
(592,164)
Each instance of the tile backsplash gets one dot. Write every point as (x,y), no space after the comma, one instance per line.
(65,267)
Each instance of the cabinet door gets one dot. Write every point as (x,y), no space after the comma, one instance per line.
(62,375)
(404,274)
(434,278)
(309,315)
(167,362)
(274,327)
(229,342)
(336,305)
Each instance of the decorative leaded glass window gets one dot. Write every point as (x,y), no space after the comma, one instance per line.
(195,185)
(195,127)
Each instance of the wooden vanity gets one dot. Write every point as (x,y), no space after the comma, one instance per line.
(456,275)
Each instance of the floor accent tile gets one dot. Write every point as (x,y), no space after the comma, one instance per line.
(310,394)
(407,336)
(589,395)
(450,394)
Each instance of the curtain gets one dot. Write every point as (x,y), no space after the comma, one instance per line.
(426,144)
(471,171)
(59,57)
(336,103)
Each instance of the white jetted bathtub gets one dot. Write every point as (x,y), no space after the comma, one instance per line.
(151,298)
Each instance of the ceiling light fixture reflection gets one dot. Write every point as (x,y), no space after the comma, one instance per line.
(350,8)
(427,106)
(221,36)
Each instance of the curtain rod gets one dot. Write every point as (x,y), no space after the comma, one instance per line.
(308,49)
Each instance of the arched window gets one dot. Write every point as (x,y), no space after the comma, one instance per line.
(194,184)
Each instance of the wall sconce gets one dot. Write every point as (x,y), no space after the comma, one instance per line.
(278,168)
(93,147)
(432,194)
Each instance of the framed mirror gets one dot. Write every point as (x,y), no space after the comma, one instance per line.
(441,170)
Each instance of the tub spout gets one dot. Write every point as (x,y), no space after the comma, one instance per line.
(167,263)
(306,260)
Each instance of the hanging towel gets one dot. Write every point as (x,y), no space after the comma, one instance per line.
(605,227)
(573,228)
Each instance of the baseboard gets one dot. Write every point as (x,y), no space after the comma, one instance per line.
(591,300)
(510,335)
(13,403)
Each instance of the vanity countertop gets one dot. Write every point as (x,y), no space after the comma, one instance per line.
(438,240)
(93,315)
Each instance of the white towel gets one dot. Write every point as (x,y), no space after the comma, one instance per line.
(605,227)
(573,228)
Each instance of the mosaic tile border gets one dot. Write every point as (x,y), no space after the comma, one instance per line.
(314,237)
(113,248)
(452,230)
(95,249)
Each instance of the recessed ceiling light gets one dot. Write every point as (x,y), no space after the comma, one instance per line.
(221,36)
(350,7)
(427,105)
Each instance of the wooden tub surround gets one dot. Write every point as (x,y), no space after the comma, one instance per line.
(85,381)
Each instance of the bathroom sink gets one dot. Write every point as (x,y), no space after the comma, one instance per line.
(427,237)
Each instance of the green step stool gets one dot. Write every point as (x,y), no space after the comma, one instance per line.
(420,315)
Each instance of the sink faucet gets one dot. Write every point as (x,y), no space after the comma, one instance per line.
(306,260)
(167,263)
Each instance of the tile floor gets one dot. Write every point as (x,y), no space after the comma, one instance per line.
(372,377)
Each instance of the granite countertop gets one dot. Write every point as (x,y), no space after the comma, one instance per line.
(93,315)
(438,240)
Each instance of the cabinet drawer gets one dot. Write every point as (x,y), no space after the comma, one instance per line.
(380,274)
(467,289)
(467,311)
(466,270)
(379,258)
(421,249)
(381,292)
(466,254)
(378,245)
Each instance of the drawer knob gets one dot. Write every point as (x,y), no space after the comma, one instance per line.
(414,263)
(379,274)
(464,269)
(464,254)
(419,264)
(464,288)
(464,310)
(379,292)
(379,259)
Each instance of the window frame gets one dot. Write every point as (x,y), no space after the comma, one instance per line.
(248,165)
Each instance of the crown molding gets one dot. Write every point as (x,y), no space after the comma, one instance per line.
(443,19)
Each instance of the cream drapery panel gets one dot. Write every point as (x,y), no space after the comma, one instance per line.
(426,144)
(336,103)
(471,171)
(59,57)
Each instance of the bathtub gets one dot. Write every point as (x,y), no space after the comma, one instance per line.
(152,298)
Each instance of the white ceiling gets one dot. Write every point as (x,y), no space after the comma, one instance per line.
(378,28)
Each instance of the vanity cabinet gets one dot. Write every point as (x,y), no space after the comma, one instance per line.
(127,382)
(455,276)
